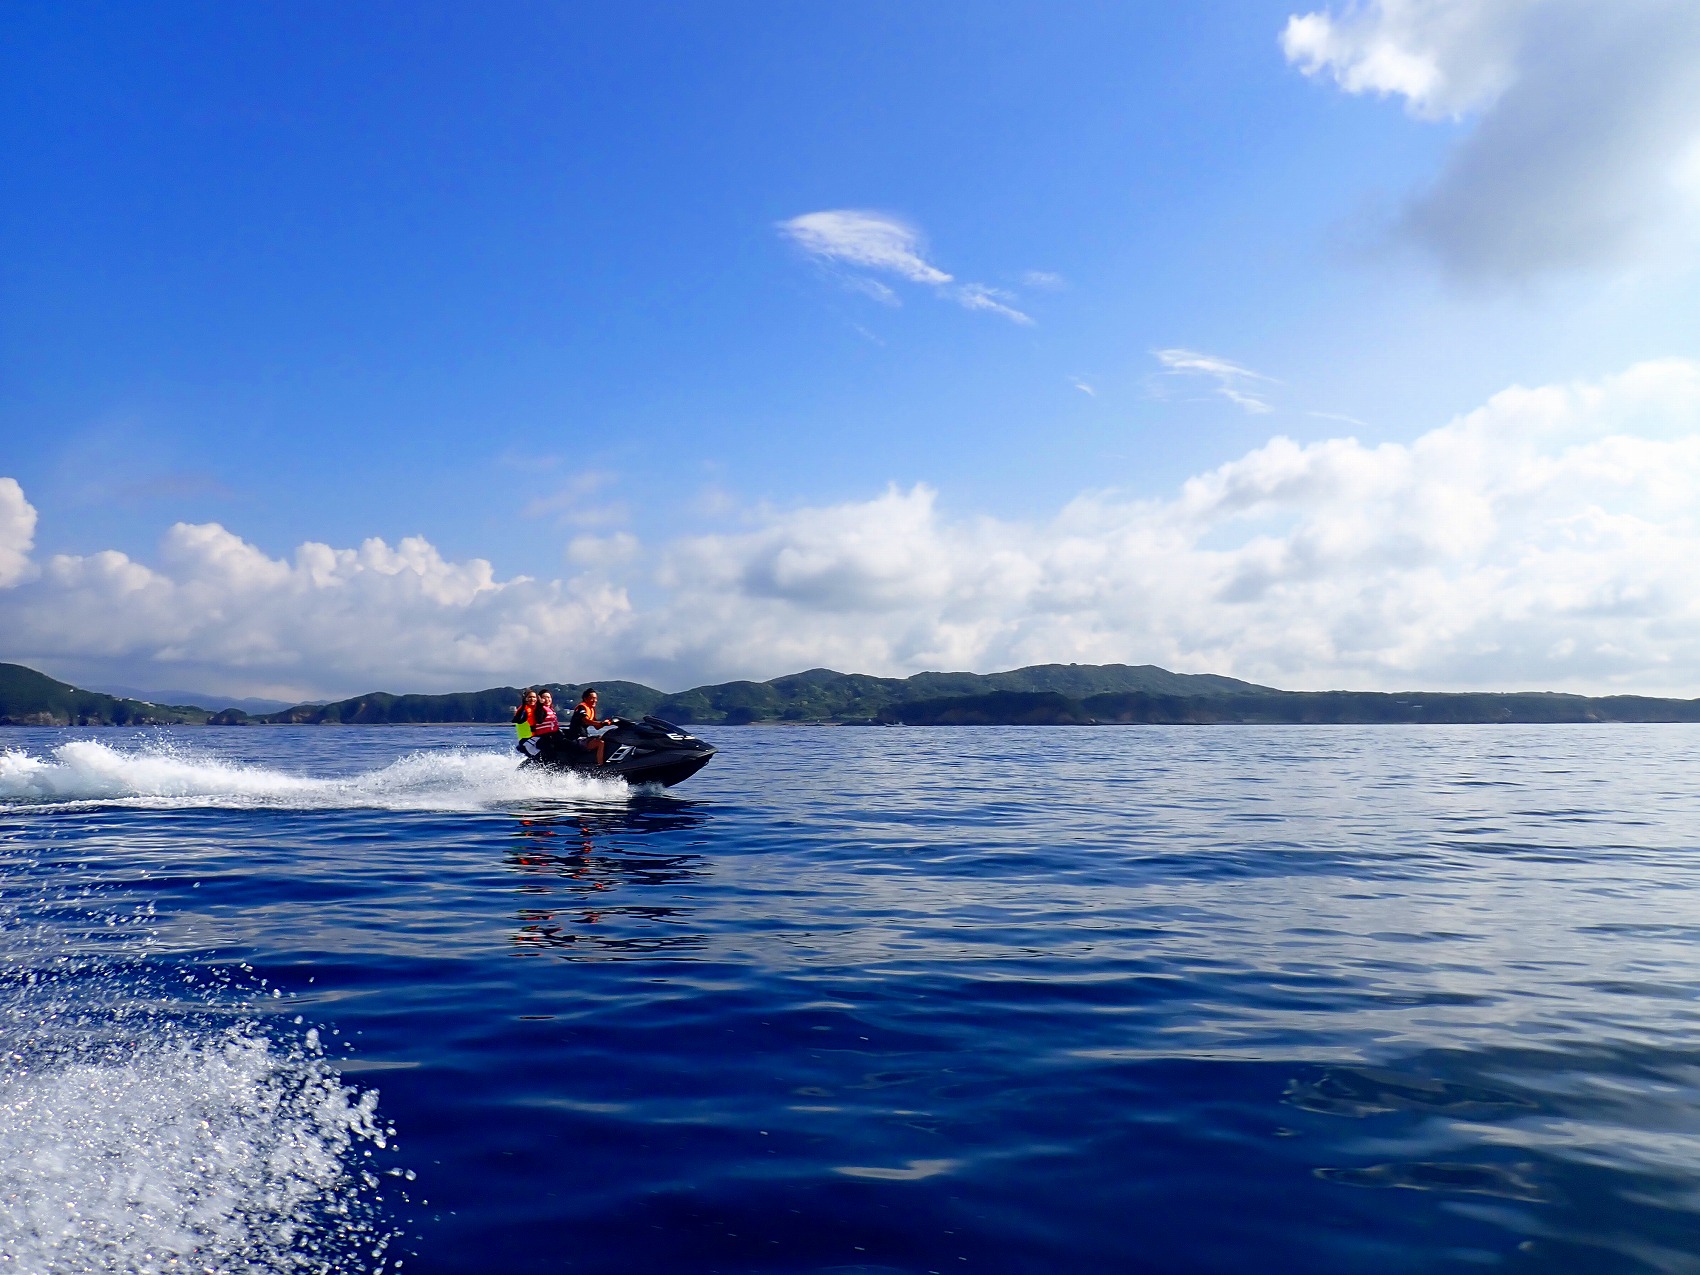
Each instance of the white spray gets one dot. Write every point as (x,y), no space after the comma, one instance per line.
(86,772)
(143,1131)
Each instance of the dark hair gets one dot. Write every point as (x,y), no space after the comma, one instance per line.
(587,692)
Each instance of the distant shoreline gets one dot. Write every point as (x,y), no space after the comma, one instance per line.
(1210,725)
(1040,695)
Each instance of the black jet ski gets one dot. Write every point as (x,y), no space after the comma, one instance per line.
(648,752)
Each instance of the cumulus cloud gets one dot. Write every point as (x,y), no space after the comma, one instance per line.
(880,241)
(1546,539)
(1543,540)
(1444,57)
(17,532)
(1239,385)
(224,615)
(1586,122)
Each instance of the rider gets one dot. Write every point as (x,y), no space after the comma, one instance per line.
(524,713)
(544,721)
(583,721)
(525,723)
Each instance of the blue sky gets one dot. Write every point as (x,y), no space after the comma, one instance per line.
(524,285)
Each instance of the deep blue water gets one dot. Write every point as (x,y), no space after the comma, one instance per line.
(953,1000)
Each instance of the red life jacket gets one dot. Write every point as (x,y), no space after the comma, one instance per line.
(543,720)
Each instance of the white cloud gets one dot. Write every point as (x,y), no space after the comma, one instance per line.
(1048,280)
(219,611)
(603,551)
(1546,539)
(570,502)
(1247,402)
(976,296)
(1208,364)
(17,533)
(875,240)
(1587,118)
(877,290)
(1232,382)
(883,242)
(1542,540)
(1444,57)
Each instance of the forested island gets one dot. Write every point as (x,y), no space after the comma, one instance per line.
(1042,695)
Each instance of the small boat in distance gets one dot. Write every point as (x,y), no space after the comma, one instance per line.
(648,752)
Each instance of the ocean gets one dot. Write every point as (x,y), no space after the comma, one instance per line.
(1112,999)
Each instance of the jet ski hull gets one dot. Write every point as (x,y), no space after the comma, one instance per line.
(648,752)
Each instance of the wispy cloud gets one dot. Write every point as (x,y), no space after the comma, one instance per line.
(603,551)
(977,296)
(1047,280)
(864,240)
(570,504)
(177,485)
(1207,364)
(1082,386)
(1337,416)
(875,241)
(1250,402)
(1239,385)
(877,290)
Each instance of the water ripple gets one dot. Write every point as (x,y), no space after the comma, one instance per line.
(1000,1000)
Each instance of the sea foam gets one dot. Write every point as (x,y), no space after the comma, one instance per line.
(226,1152)
(152,1121)
(89,772)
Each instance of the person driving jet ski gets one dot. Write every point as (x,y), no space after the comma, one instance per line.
(582,722)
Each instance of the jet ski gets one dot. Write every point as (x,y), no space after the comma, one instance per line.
(648,752)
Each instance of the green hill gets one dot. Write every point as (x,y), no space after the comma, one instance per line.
(1268,707)
(629,699)
(1043,694)
(28,698)
(823,695)
(818,695)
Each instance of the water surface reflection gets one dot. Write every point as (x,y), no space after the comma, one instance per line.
(601,883)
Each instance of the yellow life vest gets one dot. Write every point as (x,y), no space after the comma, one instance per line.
(522,727)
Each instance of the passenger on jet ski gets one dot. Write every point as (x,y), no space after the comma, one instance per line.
(544,721)
(582,722)
(650,751)
(524,725)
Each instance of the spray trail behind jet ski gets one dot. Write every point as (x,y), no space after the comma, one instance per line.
(162,775)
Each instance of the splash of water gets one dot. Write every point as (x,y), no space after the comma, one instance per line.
(225,1153)
(143,1132)
(84,772)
